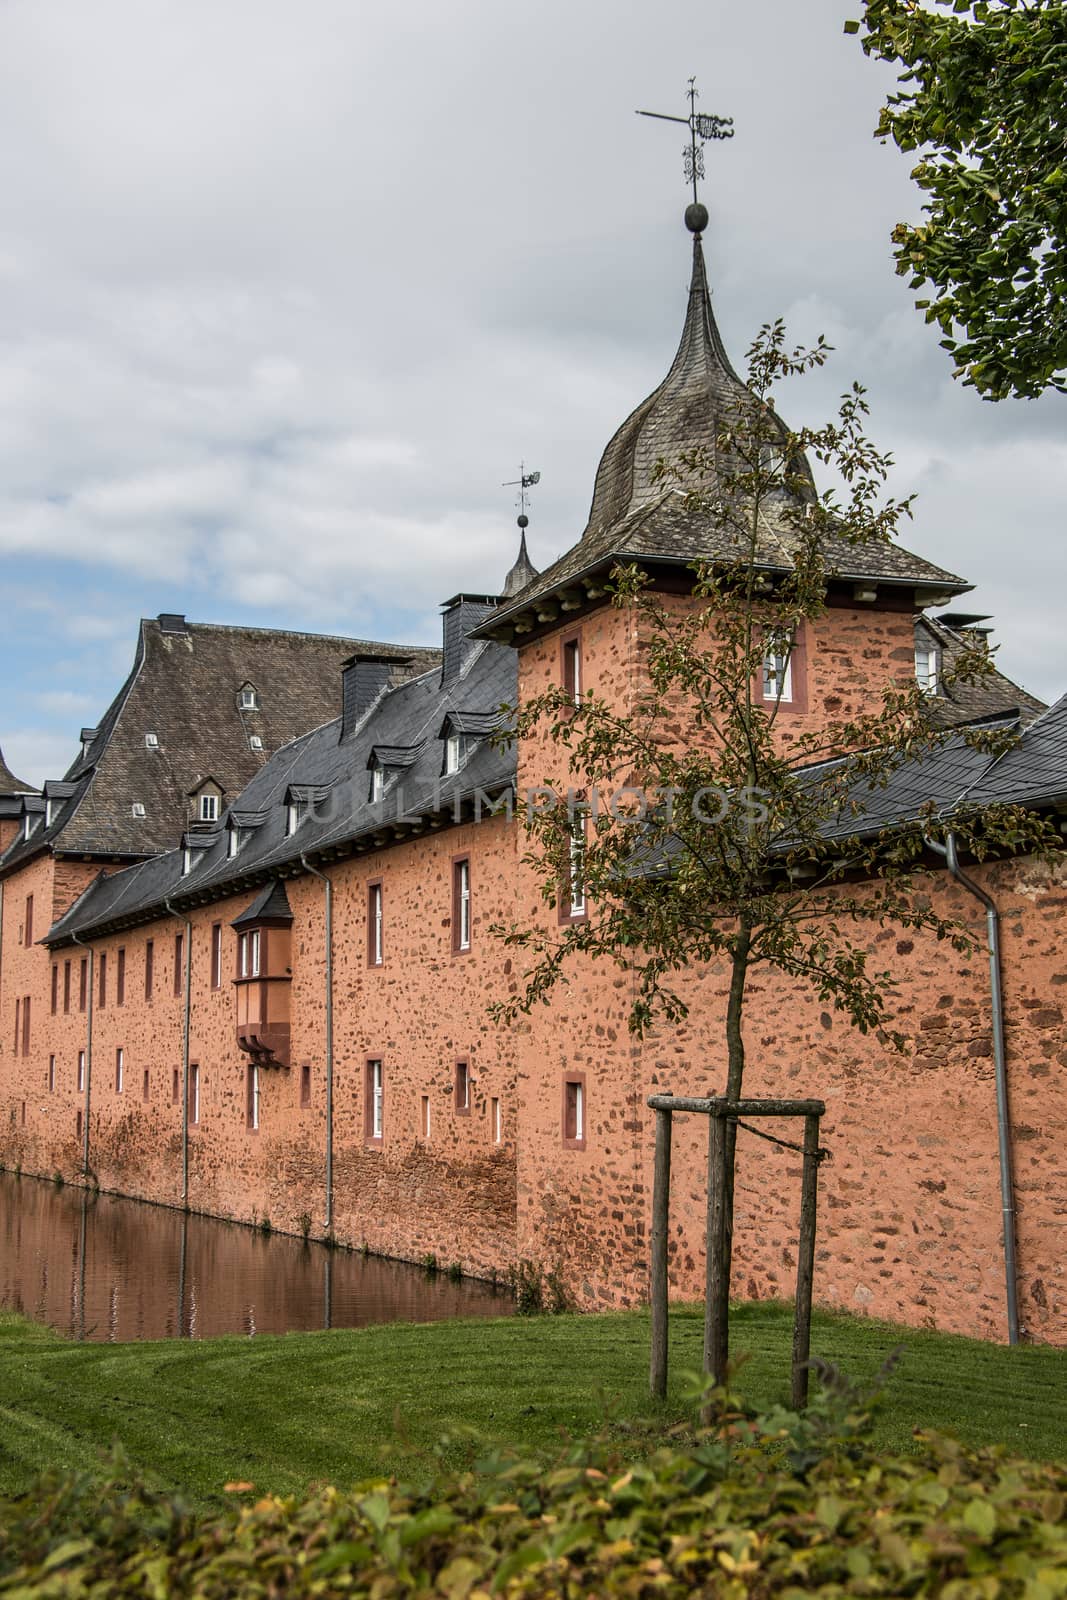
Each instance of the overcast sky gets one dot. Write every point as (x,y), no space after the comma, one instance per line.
(288,288)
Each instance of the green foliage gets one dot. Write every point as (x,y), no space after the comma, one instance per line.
(455,1271)
(981,98)
(305,1223)
(725,1512)
(538,1291)
(429,1263)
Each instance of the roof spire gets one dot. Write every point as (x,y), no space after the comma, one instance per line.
(524,571)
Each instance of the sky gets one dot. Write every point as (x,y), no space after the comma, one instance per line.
(288,290)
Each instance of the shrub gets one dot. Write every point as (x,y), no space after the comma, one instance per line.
(726,1513)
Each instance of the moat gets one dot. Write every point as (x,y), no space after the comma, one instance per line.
(99,1267)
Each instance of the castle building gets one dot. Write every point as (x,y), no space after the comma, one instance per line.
(272,998)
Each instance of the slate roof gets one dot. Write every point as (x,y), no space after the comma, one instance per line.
(9,784)
(408,717)
(959,702)
(635,518)
(184,688)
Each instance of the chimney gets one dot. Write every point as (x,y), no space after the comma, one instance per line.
(461,614)
(363,679)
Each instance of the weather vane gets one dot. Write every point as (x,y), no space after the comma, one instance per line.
(700,128)
(524,481)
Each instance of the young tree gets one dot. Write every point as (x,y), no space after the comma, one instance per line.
(693,829)
(982,99)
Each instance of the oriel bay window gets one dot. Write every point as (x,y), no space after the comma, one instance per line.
(263,980)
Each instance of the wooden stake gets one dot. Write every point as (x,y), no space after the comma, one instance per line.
(717,1290)
(809,1187)
(658,1287)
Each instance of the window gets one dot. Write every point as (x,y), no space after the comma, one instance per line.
(424,1118)
(574,1111)
(247,699)
(120,975)
(175,1088)
(461,1099)
(83,983)
(187,861)
(145,1085)
(572,900)
(27,926)
(194,1094)
(151,741)
(81,1071)
(461,905)
(377,783)
(926,668)
(101,994)
(51,1074)
(49,813)
(55,987)
(149,967)
(455,750)
(778,669)
(255,742)
(138,809)
(252,1087)
(375,947)
(209,808)
(78,1125)
(66,986)
(26,1026)
(239,837)
(120,1070)
(179,952)
(305,1084)
(295,815)
(496,1122)
(216,955)
(571,666)
(375,1101)
(18,1024)
(248,954)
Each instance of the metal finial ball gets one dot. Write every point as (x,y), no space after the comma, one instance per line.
(696,217)
(523,520)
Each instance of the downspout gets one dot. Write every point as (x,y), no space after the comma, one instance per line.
(88,1053)
(315,873)
(185,1048)
(1007,1184)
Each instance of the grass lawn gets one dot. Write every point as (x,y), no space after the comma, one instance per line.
(343,1405)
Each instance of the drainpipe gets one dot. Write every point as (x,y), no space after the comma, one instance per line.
(315,873)
(88,1053)
(185,1049)
(1007,1185)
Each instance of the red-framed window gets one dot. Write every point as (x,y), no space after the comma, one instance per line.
(101,990)
(374,1101)
(575,1111)
(83,983)
(179,962)
(782,678)
(66,986)
(570,665)
(375,923)
(27,926)
(55,987)
(305,1083)
(461,905)
(216,955)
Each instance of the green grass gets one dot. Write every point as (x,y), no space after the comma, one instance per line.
(339,1406)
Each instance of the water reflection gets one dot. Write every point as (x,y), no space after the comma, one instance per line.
(102,1268)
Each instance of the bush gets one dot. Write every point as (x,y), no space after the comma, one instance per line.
(763,1508)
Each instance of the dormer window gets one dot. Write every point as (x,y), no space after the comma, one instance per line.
(255,742)
(151,741)
(379,782)
(49,812)
(927,664)
(247,698)
(187,861)
(455,752)
(209,808)
(138,809)
(295,815)
(238,840)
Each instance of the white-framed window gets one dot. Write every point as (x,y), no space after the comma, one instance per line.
(375,1099)
(247,699)
(496,1121)
(187,861)
(461,911)
(455,751)
(138,809)
(81,1071)
(49,812)
(120,1070)
(374,925)
(253,1098)
(239,837)
(927,665)
(255,742)
(424,1122)
(298,810)
(572,669)
(209,808)
(574,1111)
(576,883)
(151,741)
(248,953)
(378,779)
(778,669)
(194,1093)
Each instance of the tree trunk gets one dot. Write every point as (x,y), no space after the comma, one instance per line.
(735,1046)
